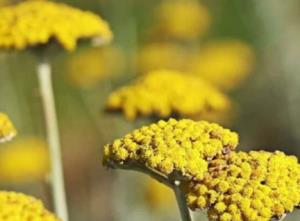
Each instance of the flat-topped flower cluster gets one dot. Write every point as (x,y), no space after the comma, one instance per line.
(166,92)
(33,23)
(232,186)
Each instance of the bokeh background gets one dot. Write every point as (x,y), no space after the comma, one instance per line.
(263,85)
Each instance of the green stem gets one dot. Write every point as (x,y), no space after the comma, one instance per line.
(57,178)
(181,201)
(180,198)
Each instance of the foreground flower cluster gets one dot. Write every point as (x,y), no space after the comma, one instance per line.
(19,207)
(38,22)
(174,146)
(252,186)
(160,93)
(232,186)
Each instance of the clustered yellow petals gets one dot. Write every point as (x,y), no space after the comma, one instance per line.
(160,55)
(24,160)
(224,63)
(183,19)
(33,23)
(19,207)
(254,186)
(182,146)
(160,93)
(94,64)
(7,129)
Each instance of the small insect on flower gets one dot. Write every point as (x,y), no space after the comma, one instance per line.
(20,207)
(184,147)
(32,23)
(7,129)
(250,186)
(166,92)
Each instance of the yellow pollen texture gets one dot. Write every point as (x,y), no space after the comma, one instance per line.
(254,186)
(19,207)
(181,146)
(33,23)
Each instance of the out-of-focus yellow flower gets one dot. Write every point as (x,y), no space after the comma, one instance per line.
(156,56)
(183,146)
(33,23)
(182,19)
(248,186)
(167,92)
(7,129)
(24,160)
(158,196)
(225,64)
(20,207)
(3,2)
(94,64)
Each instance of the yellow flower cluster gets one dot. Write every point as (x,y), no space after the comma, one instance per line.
(157,56)
(166,92)
(183,146)
(254,186)
(19,207)
(33,23)
(7,129)
(92,65)
(24,160)
(224,63)
(182,19)
(3,2)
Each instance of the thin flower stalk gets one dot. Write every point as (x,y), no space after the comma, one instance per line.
(57,177)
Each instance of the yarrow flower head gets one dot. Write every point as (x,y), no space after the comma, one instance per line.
(171,147)
(182,19)
(92,65)
(24,160)
(20,207)
(160,55)
(165,92)
(7,129)
(250,186)
(225,63)
(33,23)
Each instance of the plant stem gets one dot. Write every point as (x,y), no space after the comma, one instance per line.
(180,198)
(57,179)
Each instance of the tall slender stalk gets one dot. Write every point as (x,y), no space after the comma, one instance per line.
(57,178)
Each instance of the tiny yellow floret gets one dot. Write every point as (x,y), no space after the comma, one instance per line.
(7,129)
